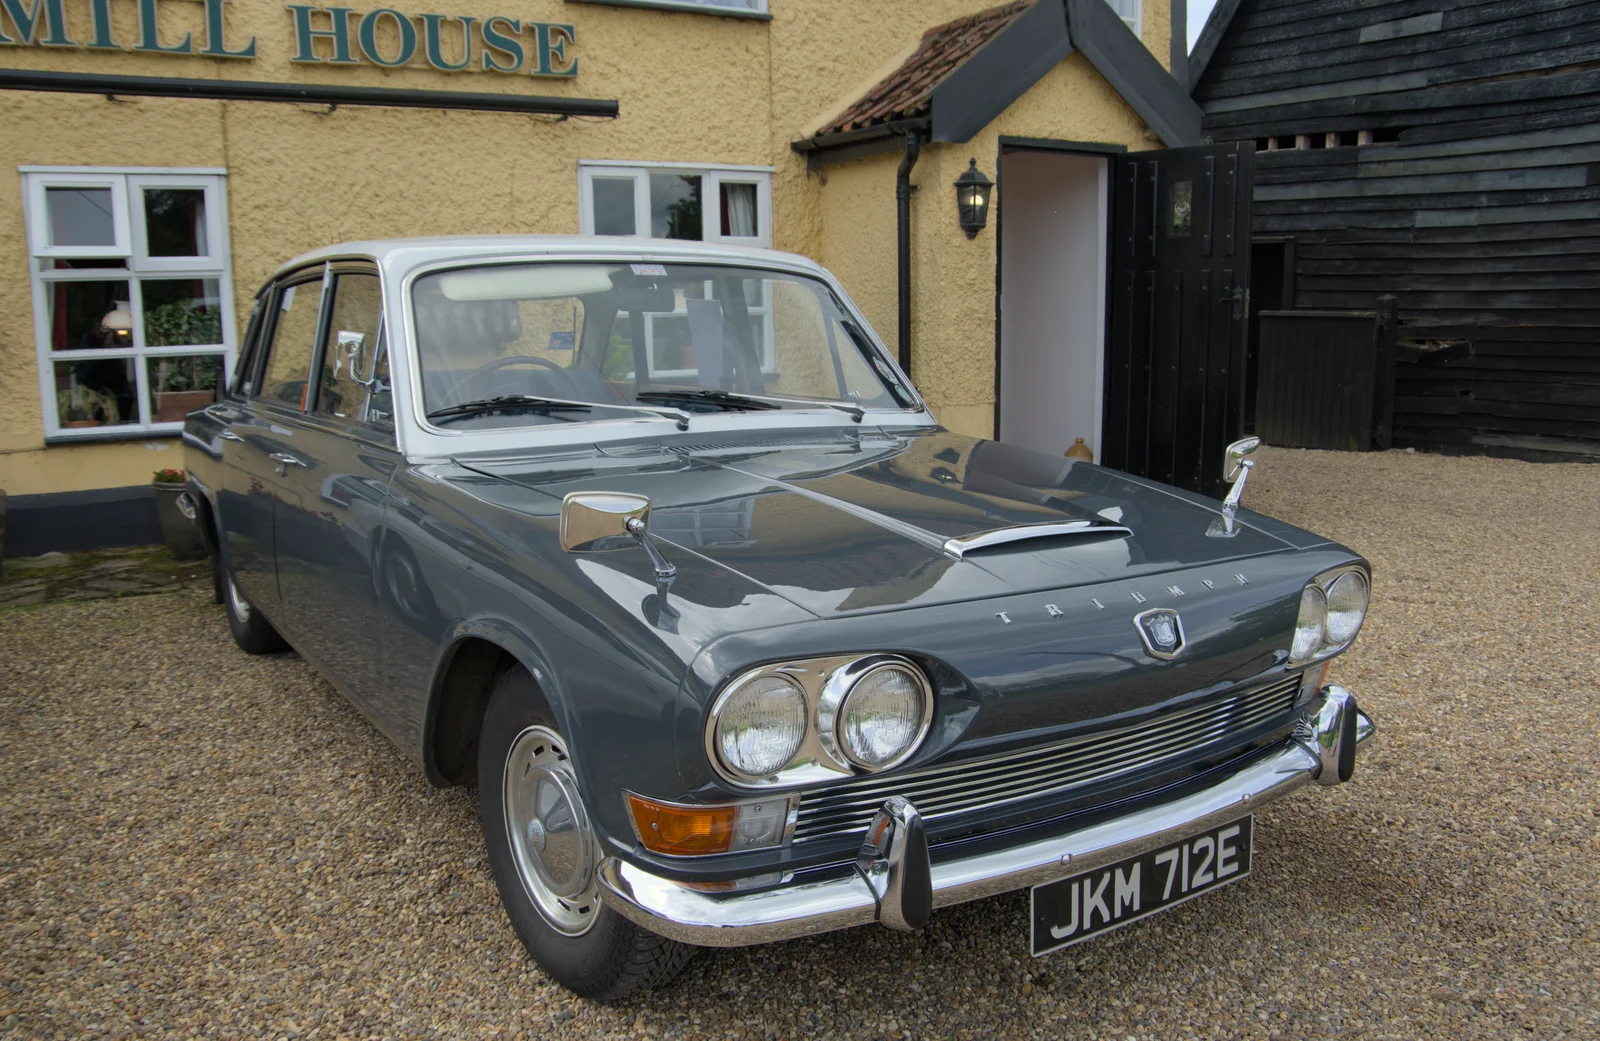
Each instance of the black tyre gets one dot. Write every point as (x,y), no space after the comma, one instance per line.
(544,855)
(251,631)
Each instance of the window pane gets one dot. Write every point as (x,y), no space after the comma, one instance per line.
(80,263)
(1182,208)
(180,385)
(675,206)
(294,333)
(739,210)
(349,346)
(175,222)
(80,217)
(96,393)
(181,311)
(613,206)
(89,315)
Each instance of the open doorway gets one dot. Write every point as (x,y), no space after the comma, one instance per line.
(1053,217)
(1271,289)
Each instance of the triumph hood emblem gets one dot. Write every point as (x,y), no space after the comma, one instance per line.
(1162,632)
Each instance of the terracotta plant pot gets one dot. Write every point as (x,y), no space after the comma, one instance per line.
(178,531)
(173,405)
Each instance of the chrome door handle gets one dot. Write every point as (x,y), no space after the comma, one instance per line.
(228,435)
(284,461)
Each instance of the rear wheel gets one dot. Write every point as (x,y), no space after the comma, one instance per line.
(253,633)
(545,856)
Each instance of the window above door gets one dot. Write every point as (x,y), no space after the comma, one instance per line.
(731,204)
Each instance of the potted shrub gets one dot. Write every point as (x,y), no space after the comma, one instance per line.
(179,532)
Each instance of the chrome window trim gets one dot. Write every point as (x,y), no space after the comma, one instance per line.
(825,681)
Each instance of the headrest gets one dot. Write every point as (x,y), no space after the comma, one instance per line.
(465,325)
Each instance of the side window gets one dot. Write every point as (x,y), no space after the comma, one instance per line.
(294,333)
(250,348)
(354,366)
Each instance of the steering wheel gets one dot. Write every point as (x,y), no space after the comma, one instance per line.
(492,367)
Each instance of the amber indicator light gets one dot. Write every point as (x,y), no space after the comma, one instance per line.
(682,831)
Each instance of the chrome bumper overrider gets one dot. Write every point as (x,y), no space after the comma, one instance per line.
(896,885)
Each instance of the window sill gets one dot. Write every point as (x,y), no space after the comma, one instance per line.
(57,440)
(668,6)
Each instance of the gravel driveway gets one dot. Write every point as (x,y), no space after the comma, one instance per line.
(193,841)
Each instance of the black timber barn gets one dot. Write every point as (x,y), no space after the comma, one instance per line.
(1446,152)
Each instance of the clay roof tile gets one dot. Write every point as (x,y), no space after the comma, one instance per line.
(907,92)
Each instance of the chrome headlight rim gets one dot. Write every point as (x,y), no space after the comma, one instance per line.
(825,680)
(1323,582)
(830,710)
(733,690)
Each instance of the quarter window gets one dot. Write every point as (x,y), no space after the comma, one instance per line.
(673,201)
(354,381)
(132,297)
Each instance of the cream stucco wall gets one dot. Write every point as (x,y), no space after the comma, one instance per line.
(692,88)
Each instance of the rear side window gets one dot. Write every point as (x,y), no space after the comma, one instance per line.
(294,334)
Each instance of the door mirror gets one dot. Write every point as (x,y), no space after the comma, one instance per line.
(592,522)
(1233,459)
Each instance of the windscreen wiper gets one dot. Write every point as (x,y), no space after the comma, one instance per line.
(506,403)
(751,401)
(715,397)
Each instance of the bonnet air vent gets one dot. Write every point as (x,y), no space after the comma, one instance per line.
(996,538)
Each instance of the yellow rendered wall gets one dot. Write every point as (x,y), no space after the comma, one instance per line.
(692,87)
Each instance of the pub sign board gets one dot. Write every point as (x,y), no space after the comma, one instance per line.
(317,35)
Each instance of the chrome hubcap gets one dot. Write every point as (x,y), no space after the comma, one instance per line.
(241,606)
(552,842)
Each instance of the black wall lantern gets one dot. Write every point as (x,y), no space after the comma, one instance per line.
(972,200)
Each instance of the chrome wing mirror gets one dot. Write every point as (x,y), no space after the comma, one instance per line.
(593,522)
(1235,469)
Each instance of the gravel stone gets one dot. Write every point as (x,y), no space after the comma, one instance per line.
(194,842)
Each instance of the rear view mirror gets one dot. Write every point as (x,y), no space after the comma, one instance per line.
(1233,460)
(646,301)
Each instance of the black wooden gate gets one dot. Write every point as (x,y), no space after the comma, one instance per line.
(1180,276)
(1326,378)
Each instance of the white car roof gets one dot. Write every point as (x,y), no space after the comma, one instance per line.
(398,256)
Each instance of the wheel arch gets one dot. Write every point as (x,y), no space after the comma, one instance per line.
(475,655)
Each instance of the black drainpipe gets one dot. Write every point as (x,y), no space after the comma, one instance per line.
(902,196)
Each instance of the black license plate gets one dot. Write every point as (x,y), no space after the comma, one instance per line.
(1074,909)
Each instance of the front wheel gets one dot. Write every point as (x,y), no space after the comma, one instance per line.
(545,856)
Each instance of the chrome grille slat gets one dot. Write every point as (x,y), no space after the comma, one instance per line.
(947,790)
(872,791)
(1048,777)
(1048,762)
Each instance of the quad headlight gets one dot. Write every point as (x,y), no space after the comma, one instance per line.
(1332,608)
(818,719)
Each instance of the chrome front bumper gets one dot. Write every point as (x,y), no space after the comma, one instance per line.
(892,886)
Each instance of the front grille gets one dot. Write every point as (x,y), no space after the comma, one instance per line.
(942,791)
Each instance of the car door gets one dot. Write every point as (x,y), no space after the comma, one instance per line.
(330,526)
(260,434)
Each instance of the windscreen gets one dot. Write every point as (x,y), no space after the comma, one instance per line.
(697,337)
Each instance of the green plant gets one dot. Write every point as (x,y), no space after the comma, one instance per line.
(170,476)
(182,322)
(197,373)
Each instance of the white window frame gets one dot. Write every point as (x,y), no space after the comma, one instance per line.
(712,176)
(1136,22)
(126,184)
(703,6)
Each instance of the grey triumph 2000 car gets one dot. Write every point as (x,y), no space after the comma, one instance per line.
(655,544)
